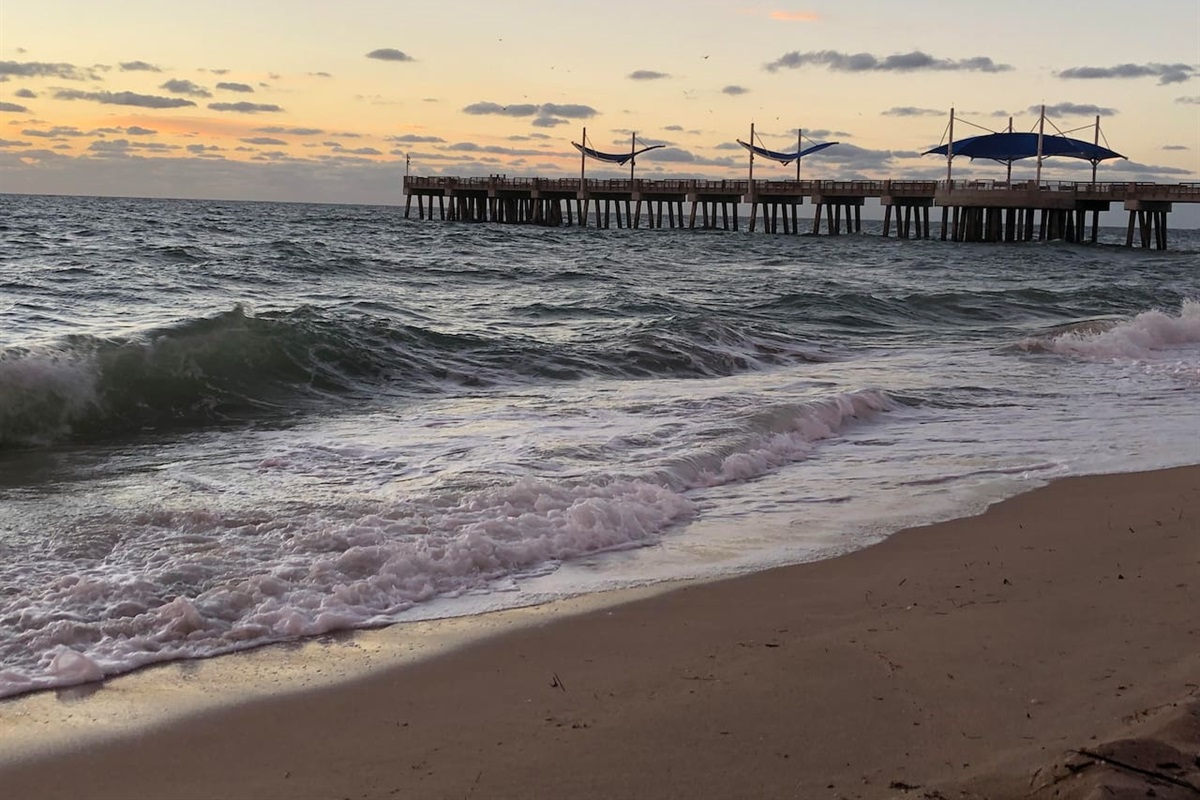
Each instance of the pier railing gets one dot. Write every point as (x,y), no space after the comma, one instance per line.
(1107,190)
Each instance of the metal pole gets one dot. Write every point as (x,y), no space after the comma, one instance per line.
(752,158)
(1009,178)
(1041,133)
(583,161)
(799,147)
(632,159)
(1094,163)
(950,153)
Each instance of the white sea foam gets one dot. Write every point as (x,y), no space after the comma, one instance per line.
(199,581)
(1147,335)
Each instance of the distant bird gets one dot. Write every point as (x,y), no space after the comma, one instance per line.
(706,56)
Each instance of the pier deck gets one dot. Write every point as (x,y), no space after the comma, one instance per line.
(971,210)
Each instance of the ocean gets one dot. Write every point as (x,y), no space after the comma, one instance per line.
(228,424)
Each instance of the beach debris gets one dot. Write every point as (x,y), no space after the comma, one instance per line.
(556,682)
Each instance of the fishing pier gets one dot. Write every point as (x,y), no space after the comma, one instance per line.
(971,210)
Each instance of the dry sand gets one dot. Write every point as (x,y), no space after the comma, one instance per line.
(1047,648)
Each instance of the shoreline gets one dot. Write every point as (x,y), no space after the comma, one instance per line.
(962,655)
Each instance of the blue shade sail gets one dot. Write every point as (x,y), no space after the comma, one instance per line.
(1015,146)
(784,158)
(613,158)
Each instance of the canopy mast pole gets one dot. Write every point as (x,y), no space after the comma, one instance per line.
(583,161)
(751,158)
(950,152)
(799,147)
(1009,179)
(1094,162)
(632,158)
(1041,134)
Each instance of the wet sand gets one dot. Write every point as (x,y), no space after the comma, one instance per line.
(1047,648)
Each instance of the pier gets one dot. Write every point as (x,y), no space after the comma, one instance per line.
(971,210)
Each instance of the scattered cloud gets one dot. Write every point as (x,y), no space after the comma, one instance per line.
(1166,73)
(916,61)
(245,108)
(568,110)
(1194,100)
(203,148)
(138,66)
(390,54)
(123,99)
(359,151)
(548,122)
(912,111)
(235,87)
(57,132)
(734,90)
(795,16)
(137,130)
(13,108)
(290,131)
(1175,147)
(320,74)
(13,143)
(263,140)
(29,94)
(1072,109)
(185,87)
(42,69)
(413,138)
(647,75)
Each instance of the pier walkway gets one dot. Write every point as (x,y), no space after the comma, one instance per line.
(972,211)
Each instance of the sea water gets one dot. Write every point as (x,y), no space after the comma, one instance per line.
(227,424)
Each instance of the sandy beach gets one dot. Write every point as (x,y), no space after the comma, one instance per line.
(1047,648)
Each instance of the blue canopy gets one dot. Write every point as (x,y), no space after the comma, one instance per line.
(784,158)
(614,158)
(1009,147)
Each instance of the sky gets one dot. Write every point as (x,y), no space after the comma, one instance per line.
(332,102)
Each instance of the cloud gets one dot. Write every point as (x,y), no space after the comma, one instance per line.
(1072,109)
(542,111)
(185,87)
(916,61)
(548,122)
(41,69)
(568,110)
(136,130)
(734,90)
(390,54)
(57,132)
(122,147)
(412,138)
(138,66)
(26,93)
(646,75)
(263,140)
(515,110)
(13,108)
(360,151)
(1175,147)
(290,131)
(1166,73)
(124,99)
(320,74)
(202,148)
(911,111)
(235,87)
(1194,100)
(245,108)
(13,143)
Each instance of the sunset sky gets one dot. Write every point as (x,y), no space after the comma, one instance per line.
(321,101)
